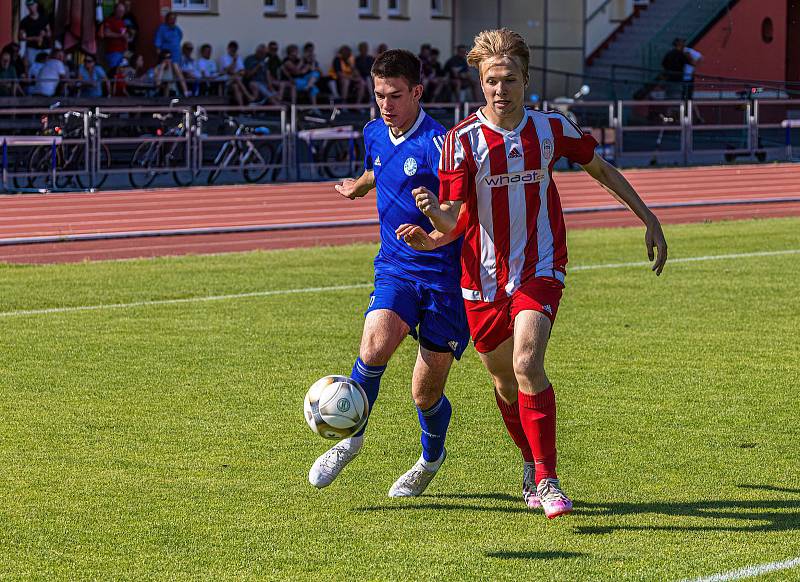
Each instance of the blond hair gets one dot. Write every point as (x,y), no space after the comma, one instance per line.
(500,42)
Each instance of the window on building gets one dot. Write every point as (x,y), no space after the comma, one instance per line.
(368,8)
(440,8)
(398,8)
(305,7)
(274,7)
(191,5)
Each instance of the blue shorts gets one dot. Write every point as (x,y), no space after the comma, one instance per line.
(439,315)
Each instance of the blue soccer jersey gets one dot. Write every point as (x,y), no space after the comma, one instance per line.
(401,164)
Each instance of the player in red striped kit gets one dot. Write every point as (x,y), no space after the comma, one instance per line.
(497,186)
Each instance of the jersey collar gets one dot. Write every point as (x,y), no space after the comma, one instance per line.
(402,137)
(499,129)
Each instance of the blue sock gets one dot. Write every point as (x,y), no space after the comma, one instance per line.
(370,379)
(434,423)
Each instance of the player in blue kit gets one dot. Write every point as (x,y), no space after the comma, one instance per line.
(416,292)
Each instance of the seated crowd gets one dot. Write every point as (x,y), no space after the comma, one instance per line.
(264,77)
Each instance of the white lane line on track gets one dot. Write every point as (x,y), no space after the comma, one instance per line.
(54,310)
(749,571)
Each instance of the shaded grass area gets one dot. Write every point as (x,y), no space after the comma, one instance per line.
(168,441)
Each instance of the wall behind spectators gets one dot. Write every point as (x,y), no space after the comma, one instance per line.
(735,46)
(332,26)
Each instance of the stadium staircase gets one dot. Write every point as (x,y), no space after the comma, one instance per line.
(631,57)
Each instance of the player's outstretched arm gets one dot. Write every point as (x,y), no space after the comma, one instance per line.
(353,188)
(443,217)
(613,180)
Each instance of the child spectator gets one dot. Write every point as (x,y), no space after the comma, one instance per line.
(207,69)
(34,70)
(188,67)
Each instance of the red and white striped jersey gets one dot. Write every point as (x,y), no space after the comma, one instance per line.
(514,226)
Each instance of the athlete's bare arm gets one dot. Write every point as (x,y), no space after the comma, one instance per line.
(353,188)
(613,181)
(444,216)
(416,237)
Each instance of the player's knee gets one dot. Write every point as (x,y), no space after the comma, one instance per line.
(374,353)
(528,369)
(425,399)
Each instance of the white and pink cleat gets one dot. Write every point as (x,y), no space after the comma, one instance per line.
(552,499)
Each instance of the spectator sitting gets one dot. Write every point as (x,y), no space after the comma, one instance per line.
(34,29)
(116,36)
(133,77)
(34,71)
(8,77)
(189,67)
(258,77)
(16,59)
(302,72)
(51,74)
(460,78)
(232,68)
(92,78)
(278,83)
(344,72)
(166,76)
(433,77)
(364,62)
(206,69)
(169,35)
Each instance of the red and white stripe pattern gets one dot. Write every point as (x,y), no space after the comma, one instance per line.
(515,226)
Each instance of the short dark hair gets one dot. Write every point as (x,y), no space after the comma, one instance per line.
(398,63)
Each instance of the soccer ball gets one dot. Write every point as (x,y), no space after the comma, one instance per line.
(336,407)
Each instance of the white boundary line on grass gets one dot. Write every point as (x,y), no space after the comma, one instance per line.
(54,310)
(749,571)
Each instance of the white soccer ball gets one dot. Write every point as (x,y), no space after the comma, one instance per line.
(336,407)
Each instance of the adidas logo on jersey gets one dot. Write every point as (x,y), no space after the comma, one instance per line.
(548,309)
(514,153)
(377,161)
(453,345)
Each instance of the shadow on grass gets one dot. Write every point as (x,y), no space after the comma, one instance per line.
(766,515)
(534,555)
(759,515)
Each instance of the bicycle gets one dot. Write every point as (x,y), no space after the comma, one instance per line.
(154,157)
(71,161)
(241,153)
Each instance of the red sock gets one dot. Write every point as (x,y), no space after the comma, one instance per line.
(538,415)
(513,424)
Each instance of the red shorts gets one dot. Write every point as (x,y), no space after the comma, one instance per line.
(490,324)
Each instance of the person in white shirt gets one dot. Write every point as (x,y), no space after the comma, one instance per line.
(694,57)
(51,74)
(232,67)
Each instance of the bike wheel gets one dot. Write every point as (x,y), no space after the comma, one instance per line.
(262,155)
(72,159)
(40,162)
(337,158)
(103,166)
(219,160)
(176,158)
(144,163)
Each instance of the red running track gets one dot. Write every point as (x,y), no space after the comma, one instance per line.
(226,206)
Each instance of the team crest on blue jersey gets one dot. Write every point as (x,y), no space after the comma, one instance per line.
(547,148)
(410,167)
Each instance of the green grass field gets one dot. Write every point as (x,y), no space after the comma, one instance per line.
(167,440)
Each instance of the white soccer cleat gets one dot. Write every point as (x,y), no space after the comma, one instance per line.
(554,501)
(529,494)
(414,481)
(328,465)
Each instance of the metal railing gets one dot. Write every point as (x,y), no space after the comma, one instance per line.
(274,143)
